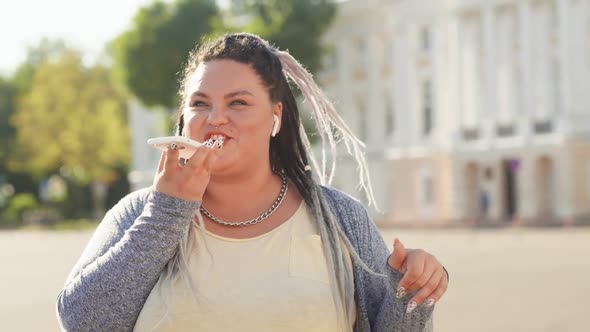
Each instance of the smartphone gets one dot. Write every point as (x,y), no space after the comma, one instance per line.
(186,146)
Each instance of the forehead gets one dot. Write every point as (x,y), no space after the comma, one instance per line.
(218,77)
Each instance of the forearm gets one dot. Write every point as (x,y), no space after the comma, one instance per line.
(108,293)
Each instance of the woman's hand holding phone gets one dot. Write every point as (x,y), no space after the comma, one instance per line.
(187,181)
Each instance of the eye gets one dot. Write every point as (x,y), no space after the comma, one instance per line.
(197,103)
(238,102)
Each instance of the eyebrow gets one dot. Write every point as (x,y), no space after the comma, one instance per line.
(227,95)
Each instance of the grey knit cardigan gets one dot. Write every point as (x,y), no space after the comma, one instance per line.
(111,281)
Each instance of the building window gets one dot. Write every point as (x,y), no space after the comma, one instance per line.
(543,127)
(425,39)
(389,51)
(388,55)
(427,113)
(426,189)
(389,117)
(471,134)
(505,130)
(361,52)
(361,119)
(428,198)
(556,85)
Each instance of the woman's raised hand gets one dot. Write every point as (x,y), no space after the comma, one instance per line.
(422,273)
(187,181)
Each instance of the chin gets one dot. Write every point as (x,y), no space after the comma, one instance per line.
(221,165)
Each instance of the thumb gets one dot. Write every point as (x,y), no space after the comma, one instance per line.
(398,257)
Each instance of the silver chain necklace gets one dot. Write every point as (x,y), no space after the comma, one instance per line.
(260,218)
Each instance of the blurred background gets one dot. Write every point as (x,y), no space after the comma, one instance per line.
(475,115)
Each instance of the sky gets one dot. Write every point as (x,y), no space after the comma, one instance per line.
(83,24)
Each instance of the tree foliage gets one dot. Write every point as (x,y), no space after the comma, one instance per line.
(47,49)
(8,93)
(73,120)
(150,55)
(295,25)
(20,83)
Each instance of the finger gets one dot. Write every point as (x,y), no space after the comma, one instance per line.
(415,269)
(171,163)
(426,292)
(196,160)
(213,155)
(398,257)
(438,293)
(161,162)
(429,270)
(404,267)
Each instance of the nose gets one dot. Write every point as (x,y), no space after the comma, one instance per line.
(217,117)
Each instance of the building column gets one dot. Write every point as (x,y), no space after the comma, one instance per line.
(564,66)
(374,111)
(494,185)
(489,90)
(414,84)
(401,76)
(453,97)
(524,109)
(507,89)
(526,203)
(564,205)
(344,65)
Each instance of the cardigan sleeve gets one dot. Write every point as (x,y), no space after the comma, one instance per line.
(122,262)
(381,311)
(391,312)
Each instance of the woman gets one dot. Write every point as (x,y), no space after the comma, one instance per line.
(241,236)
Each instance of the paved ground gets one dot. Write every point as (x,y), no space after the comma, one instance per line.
(501,280)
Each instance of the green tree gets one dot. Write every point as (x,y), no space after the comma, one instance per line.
(46,49)
(72,120)
(8,94)
(295,25)
(150,55)
(18,84)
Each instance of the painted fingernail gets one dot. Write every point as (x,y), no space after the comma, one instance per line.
(219,143)
(209,143)
(430,302)
(173,146)
(411,306)
(400,292)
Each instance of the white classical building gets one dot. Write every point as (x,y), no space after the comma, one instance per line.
(472,110)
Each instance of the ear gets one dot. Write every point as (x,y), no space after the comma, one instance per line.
(277,116)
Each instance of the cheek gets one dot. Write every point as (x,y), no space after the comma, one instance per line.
(192,124)
(255,132)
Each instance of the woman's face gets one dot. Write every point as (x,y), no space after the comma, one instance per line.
(227,98)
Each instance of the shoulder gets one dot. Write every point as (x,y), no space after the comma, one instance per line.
(350,213)
(361,231)
(343,205)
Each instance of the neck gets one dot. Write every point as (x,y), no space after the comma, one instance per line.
(247,193)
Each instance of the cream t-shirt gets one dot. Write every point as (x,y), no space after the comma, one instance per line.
(277,281)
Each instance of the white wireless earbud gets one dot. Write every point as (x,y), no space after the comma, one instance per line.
(275,127)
